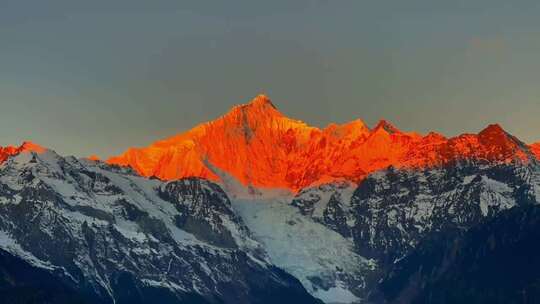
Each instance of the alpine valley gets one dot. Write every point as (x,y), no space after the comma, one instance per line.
(255,207)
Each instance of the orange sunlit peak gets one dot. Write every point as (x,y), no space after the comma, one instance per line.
(494,132)
(262,99)
(386,126)
(29,146)
(93,157)
(493,128)
(259,107)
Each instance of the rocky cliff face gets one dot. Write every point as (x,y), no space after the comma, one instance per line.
(391,213)
(394,210)
(494,262)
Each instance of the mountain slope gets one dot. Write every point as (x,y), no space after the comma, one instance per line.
(261,147)
(392,210)
(391,213)
(324,261)
(21,282)
(116,237)
(495,262)
(535,148)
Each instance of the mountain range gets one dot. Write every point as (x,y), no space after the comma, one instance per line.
(255,207)
(273,151)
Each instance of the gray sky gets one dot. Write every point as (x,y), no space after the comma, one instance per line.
(85,77)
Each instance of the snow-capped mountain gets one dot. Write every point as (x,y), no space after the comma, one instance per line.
(116,237)
(101,229)
(378,221)
(253,207)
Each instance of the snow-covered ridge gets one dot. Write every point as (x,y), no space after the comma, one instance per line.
(97,223)
(392,210)
(91,221)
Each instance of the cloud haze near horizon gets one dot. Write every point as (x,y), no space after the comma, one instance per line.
(95,77)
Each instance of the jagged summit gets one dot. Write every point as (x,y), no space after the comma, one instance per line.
(244,142)
(500,142)
(93,157)
(386,126)
(493,128)
(494,132)
(259,107)
(28,146)
(261,100)
(259,146)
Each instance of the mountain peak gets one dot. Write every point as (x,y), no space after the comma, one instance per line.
(261,100)
(93,157)
(386,126)
(29,146)
(495,134)
(493,129)
(258,108)
(501,145)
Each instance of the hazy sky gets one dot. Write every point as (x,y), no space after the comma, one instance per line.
(85,77)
